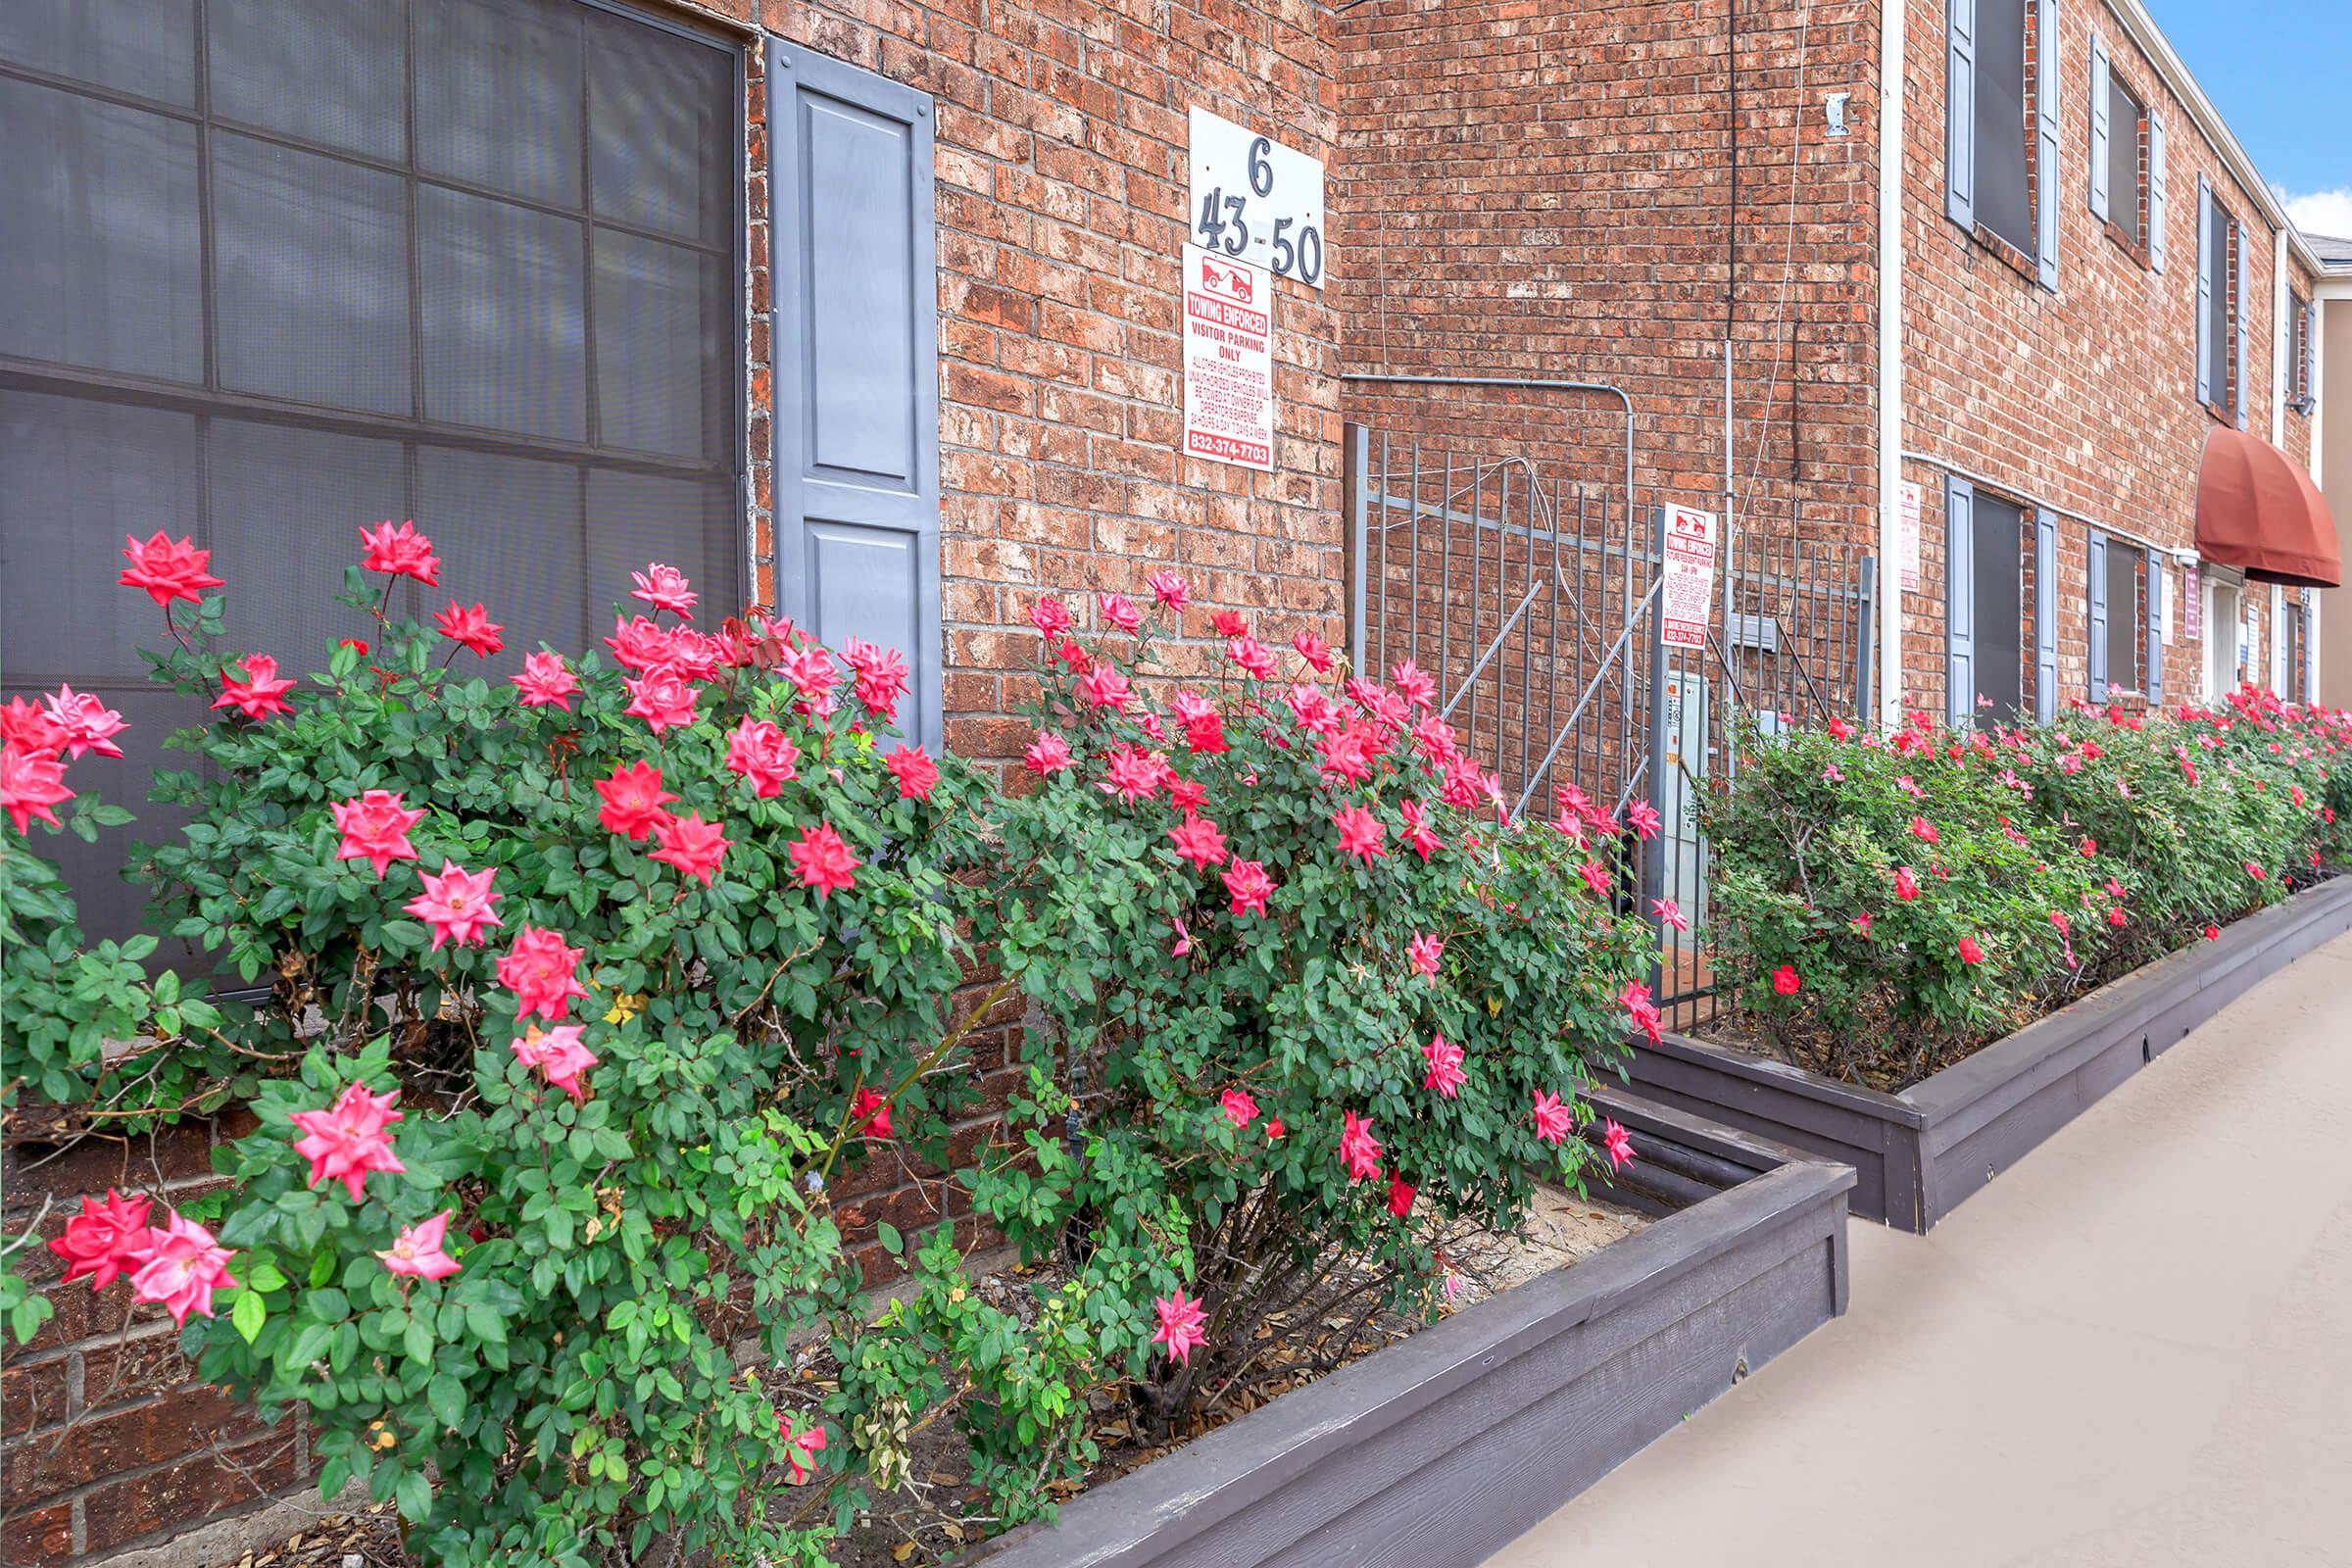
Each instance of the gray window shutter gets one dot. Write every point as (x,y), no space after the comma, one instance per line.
(856,365)
(2046,74)
(2099,130)
(2152,632)
(2308,689)
(2155,189)
(2279,672)
(2098,617)
(2245,317)
(2046,615)
(2307,326)
(1960,114)
(1960,601)
(2206,283)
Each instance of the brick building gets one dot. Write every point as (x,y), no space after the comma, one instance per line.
(2037,314)
(2330,341)
(868,311)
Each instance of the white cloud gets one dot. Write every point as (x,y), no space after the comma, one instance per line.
(2323,212)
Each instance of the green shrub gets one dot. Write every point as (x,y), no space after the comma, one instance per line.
(631,1026)
(571,997)
(1276,924)
(2060,855)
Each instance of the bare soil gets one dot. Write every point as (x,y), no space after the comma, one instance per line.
(369,1539)
(937,1515)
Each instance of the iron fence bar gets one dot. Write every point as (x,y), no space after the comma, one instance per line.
(1624,681)
(1653,865)
(1479,668)
(1865,626)
(1386,475)
(1527,645)
(1592,687)
(1625,795)
(1445,592)
(1518,383)
(1356,484)
(1412,645)
(1478,476)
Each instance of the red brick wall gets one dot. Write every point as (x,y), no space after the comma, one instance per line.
(2085,399)
(1061,211)
(1062,137)
(2301,430)
(1561,189)
(1544,189)
(107,1441)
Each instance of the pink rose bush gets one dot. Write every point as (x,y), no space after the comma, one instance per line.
(573,981)
(1894,902)
(1376,1018)
(570,984)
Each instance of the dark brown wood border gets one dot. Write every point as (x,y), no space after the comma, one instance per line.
(1438,1450)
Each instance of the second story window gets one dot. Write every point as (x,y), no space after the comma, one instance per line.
(2222,274)
(2125,125)
(2296,351)
(2127,160)
(2001,128)
(2004,193)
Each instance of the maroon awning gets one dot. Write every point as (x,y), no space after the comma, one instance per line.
(2257,509)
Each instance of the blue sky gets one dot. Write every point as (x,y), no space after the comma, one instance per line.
(2281,72)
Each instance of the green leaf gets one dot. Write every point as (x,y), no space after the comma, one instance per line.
(309,1345)
(415,1494)
(892,1242)
(249,1313)
(483,1322)
(447,1395)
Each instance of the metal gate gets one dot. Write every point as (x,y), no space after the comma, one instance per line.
(1533,598)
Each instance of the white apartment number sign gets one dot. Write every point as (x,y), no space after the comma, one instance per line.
(1255,200)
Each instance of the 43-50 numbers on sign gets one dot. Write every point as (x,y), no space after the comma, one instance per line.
(1256,200)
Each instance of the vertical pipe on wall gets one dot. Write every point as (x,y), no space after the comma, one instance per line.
(2278,342)
(1890,365)
(1731,242)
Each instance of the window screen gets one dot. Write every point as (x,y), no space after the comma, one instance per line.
(281,267)
(2002,201)
(2001,607)
(2294,678)
(2126,618)
(2123,119)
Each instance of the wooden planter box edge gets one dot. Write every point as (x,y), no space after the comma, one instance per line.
(1920,1153)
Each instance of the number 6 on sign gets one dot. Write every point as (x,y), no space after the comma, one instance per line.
(1256,200)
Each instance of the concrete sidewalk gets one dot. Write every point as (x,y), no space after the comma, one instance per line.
(2134,1349)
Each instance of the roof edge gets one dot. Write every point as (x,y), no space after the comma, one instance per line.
(2176,76)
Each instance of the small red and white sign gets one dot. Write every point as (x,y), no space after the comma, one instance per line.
(2192,603)
(1688,599)
(1907,539)
(1228,359)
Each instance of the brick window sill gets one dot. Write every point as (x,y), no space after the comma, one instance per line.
(2008,255)
(2137,248)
